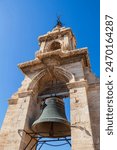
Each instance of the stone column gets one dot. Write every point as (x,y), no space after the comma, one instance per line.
(19,116)
(81,133)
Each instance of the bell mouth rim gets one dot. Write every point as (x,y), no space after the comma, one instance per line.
(58,120)
(46,134)
(66,132)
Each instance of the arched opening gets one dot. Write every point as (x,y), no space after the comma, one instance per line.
(55,45)
(56,87)
(48,85)
(67,107)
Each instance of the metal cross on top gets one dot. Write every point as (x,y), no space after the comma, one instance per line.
(59,23)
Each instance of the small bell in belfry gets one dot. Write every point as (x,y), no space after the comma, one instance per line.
(52,121)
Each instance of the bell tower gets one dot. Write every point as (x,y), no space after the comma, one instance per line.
(59,38)
(59,70)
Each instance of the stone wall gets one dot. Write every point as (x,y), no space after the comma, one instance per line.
(19,116)
(81,132)
(94,109)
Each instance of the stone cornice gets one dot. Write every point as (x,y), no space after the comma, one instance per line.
(54,33)
(63,54)
(77,84)
(57,56)
(29,63)
(12,101)
(25,93)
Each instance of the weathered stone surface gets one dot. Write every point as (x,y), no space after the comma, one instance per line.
(66,72)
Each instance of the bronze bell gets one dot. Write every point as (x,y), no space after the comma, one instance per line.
(52,121)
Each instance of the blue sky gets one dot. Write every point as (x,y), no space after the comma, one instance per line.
(21,22)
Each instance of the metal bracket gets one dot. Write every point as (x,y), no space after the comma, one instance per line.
(40,141)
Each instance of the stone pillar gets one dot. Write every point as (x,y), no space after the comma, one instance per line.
(81,133)
(19,116)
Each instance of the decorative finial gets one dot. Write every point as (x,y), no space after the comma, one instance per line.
(59,23)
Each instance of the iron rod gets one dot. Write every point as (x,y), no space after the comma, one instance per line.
(54,140)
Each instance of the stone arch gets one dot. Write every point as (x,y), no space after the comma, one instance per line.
(55,45)
(49,44)
(36,79)
(59,72)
